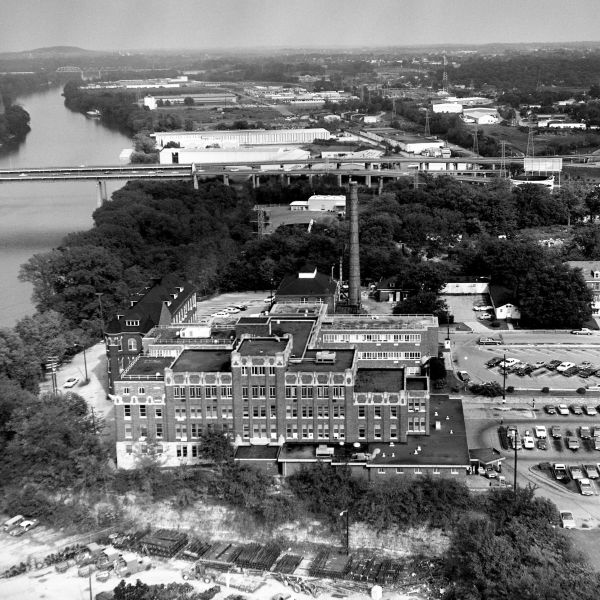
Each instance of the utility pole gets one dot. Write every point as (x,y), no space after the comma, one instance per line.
(87,379)
(504,379)
(347,513)
(99,294)
(516,441)
(52,364)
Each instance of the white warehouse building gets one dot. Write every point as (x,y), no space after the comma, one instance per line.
(240,137)
(228,156)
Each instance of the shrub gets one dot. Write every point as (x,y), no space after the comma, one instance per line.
(495,324)
(510,389)
(581,390)
(545,390)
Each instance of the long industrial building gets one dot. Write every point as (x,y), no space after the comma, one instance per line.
(241,137)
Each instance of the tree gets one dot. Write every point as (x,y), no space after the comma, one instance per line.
(216,446)
(554,295)
(18,361)
(188,101)
(421,303)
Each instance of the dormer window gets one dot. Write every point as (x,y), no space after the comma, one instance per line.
(596,274)
(132,323)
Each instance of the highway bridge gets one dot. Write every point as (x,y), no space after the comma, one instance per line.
(464,168)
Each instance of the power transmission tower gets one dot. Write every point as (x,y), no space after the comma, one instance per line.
(260,222)
(503,158)
(475,142)
(427,127)
(530,152)
(445,77)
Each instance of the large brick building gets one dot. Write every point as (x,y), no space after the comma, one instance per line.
(292,387)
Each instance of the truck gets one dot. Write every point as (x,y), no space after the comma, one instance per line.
(201,571)
(129,566)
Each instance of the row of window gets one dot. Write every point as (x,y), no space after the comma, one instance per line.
(143,411)
(306,392)
(389,356)
(415,470)
(258,370)
(305,431)
(377,432)
(371,337)
(377,412)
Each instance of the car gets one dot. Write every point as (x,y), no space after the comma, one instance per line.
(582,331)
(576,409)
(590,410)
(585,487)
(540,432)
(571,371)
(484,317)
(509,362)
(220,313)
(490,472)
(586,364)
(550,409)
(560,472)
(269,300)
(563,410)
(591,471)
(572,443)
(564,366)
(596,431)
(542,444)
(528,441)
(585,433)
(487,341)
(597,443)
(585,372)
(463,376)
(23,175)
(24,527)
(71,382)
(516,443)
(576,472)
(553,364)
(593,388)
(12,522)
(555,432)
(483,307)
(540,364)
(231,309)
(567,520)
(493,362)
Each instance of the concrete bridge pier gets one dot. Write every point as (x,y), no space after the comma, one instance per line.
(225,179)
(339,180)
(368,180)
(101,193)
(194,176)
(380,186)
(310,180)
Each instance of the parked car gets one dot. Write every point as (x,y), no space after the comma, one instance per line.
(540,431)
(24,527)
(550,409)
(571,371)
(490,472)
(585,433)
(597,443)
(567,520)
(528,441)
(562,409)
(483,307)
(509,362)
(555,432)
(585,487)
(71,382)
(591,471)
(572,443)
(564,366)
(586,364)
(585,372)
(542,444)
(463,376)
(576,409)
(485,317)
(560,472)
(493,362)
(590,410)
(582,331)
(596,431)
(553,364)
(540,364)
(576,472)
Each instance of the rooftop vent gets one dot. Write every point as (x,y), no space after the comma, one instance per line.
(323,357)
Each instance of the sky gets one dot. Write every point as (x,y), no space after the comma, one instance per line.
(221,24)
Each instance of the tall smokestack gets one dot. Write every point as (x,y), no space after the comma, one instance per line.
(354,273)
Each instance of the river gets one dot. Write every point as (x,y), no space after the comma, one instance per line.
(34,217)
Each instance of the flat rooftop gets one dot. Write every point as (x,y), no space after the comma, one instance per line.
(414,382)
(379,322)
(257,452)
(299,330)
(343,360)
(262,346)
(146,366)
(170,334)
(203,361)
(444,447)
(379,380)
(297,309)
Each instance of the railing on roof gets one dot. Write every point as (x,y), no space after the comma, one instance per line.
(367,321)
(126,374)
(195,341)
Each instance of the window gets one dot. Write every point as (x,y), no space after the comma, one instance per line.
(323,430)
(245,391)
(381,471)
(291,411)
(127,409)
(418,471)
(194,451)
(141,391)
(273,411)
(158,413)
(306,392)
(195,392)
(125,390)
(338,392)
(377,432)
(393,432)
(159,430)
(180,413)
(393,412)
(273,431)
(211,391)
(271,370)
(143,431)
(307,412)
(132,345)
(182,451)
(399,471)
(307,431)
(338,431)
(226,391)
(128,432)
(128,448)
(142,408)
(227,412)
(245,412)
(272,391)
(291,392)
(259,411)
(178,392)
(180,431)
(377,412)
(258,370)
(361,433)
(291,431)
(322,392)
(244,370)
(246,431)
(323,412)
(436,470)
(361,412)
(339,411)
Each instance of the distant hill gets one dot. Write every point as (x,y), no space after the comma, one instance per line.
(50,52)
